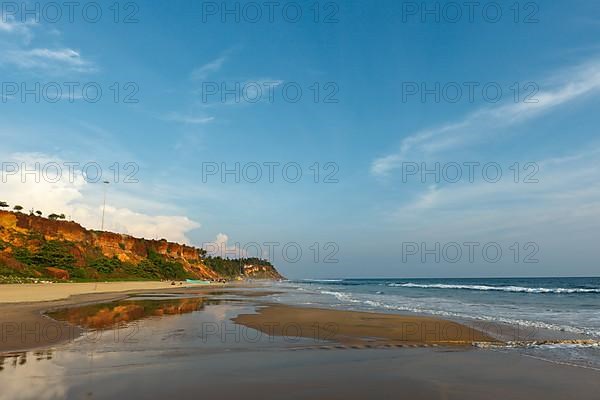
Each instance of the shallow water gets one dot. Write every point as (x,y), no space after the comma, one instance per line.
(176,370)
(158,346)
(148,332)
(513,309)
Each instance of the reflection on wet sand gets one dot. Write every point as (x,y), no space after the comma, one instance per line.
(107,315)
(20,358)
(204,352)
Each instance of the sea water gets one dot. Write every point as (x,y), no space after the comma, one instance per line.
(561,309)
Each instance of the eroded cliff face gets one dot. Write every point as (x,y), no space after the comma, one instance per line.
(261,272)
(20,230)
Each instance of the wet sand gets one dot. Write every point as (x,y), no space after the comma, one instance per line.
(416,374)
(360,328)
(24,326)
(356,355)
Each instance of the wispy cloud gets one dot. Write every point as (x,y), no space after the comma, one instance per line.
(49,60)
(188,119)
(22,30)
(203,71)
(17,51)
(568,193)
(567,86)
(246,92)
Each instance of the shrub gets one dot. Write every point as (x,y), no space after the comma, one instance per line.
(54,254)
(105,265)
(159,267)
(23,255)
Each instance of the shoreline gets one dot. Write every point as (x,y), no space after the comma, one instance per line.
(352,354)
(24,325)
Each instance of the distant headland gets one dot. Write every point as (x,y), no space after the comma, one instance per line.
(34,248)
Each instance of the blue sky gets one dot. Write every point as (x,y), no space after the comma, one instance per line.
(365,59)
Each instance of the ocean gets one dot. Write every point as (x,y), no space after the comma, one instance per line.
(558,309)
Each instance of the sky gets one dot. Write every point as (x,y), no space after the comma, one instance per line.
(337,139)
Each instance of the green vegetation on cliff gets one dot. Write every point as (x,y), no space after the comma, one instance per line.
(59,255)
(35,249)
(233,267)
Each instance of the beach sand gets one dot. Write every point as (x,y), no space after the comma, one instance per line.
(353,355)
(55,291)
(23,324)
(360,328)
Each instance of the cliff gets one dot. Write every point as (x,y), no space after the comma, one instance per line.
(36,247)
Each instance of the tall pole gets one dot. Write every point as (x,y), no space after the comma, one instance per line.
(104,204)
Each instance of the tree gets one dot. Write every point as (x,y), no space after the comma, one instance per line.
(39,213)
(62,216)
(3,204)
(18,208)
(53,216)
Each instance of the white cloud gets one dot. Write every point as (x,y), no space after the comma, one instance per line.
(222,239)
(260,89)
(82,201)
(189,119)
(567,195)
(203,71)
(248,92)
(170,227)
(19,52)
(23,30)
(568,86)
(221,247)
(49,60)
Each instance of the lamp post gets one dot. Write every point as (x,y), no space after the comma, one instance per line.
(104,204)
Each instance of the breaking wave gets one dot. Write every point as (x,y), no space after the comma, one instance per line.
(513,289)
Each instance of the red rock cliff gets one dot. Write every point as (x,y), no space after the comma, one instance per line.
(126,248)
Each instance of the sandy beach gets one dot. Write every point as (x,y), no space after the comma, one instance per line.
(25,324)
(206,338)
(301,352)
(361,328)
(22,320)
(21,293)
